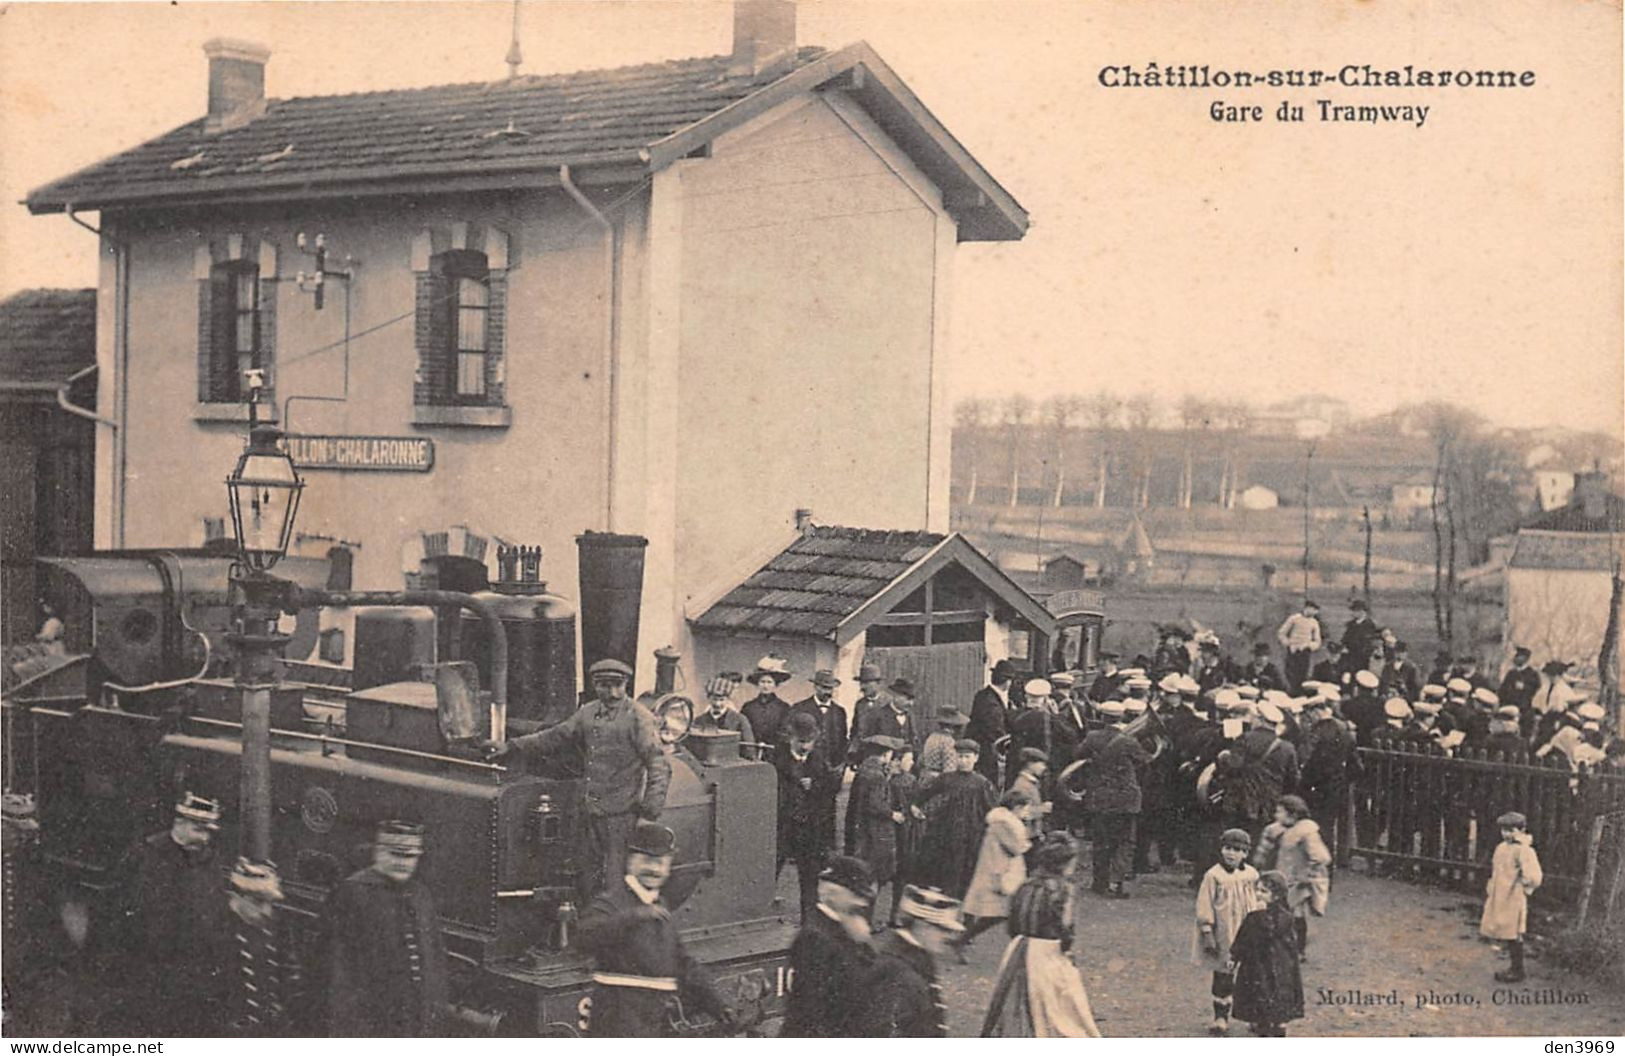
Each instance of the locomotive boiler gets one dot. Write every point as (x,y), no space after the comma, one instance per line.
(107,742)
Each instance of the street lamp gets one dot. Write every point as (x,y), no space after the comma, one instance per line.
(264,490)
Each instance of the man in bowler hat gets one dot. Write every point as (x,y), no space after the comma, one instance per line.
(989,710)
(832,736)
(808,785)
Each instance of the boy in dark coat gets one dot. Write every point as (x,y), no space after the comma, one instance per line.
(831,956)
(904,786)
(878,817)
(1269,988)
(955,808)
(388,966)
(638,960)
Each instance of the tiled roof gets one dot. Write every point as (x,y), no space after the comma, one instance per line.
(624,123)
(46,336)
(818,580)
(496,126)
(1572,518)
(1572,551)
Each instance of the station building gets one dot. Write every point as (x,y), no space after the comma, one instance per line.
(678,300)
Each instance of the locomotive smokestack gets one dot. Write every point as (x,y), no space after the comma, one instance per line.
(611,597)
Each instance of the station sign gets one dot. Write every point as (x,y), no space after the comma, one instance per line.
(397,454)
(1066,603)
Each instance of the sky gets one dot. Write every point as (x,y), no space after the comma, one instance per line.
(1476,258)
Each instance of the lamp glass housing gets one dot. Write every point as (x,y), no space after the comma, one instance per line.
(264,491)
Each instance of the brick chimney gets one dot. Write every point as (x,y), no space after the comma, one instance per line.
(804,521)
(764,36)
(236,82)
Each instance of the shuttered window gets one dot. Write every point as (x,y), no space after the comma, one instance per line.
(460,303)
(233,332)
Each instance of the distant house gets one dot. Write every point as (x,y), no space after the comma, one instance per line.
(1070,571)
(1560,576)
(47,477)
(1409,496)
(924,606)
(1258,497)
(1553,488)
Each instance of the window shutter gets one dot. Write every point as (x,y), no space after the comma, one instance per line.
(222,329)
(439,365)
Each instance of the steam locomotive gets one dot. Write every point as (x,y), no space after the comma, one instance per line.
(99,748)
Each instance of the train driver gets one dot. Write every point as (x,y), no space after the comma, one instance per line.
(627,770)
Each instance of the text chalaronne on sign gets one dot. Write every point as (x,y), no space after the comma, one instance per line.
(400,454)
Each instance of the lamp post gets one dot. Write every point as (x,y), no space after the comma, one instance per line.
(264,490)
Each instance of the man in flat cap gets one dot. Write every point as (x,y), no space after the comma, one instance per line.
(1030,779)
(767,711)
(626,767)
(639,963)
(808,784)
(989,711)
(184,958)
(902,996)
(388,967)
(720,715)
(831,955)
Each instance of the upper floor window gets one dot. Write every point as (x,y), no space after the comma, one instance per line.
(236,324)
(460,304)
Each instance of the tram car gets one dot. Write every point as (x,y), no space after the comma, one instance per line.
(144,709)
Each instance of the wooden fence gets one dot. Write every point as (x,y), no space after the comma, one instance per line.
(1420,813)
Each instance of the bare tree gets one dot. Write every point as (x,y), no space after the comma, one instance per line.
(971,419)
(1139,414)
(1608,653)
(1102,410)
(1018,411)
(1234,419)
(1193,413)
(1059,414)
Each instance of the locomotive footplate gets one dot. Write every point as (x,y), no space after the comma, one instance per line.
(748,960)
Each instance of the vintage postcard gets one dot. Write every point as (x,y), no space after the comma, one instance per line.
(813,518)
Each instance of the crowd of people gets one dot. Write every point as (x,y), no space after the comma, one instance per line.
(974,819)
(1183,758)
